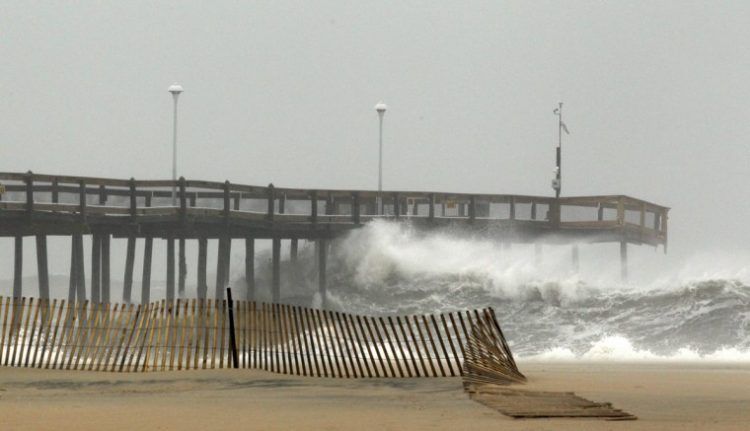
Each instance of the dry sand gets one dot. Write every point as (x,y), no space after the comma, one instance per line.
(663,396)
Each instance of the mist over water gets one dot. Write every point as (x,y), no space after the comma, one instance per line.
(699,310)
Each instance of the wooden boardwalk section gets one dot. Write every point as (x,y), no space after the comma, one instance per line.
(188,210)
(200,334)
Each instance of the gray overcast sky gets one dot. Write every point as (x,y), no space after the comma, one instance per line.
(655,94)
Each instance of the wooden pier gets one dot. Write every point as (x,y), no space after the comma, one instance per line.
(188,210)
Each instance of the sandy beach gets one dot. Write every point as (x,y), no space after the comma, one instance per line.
(663,396)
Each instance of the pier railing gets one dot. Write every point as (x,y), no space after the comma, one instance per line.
(143,200)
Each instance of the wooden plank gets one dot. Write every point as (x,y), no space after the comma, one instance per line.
(377,350)
(190,324)
(413,343)
(82,311)
(4,349)
(322,351)
(400,347)
(215,332)
(176,337)
(293,338)
(353,344)
(383,347)
(223,317)
(304,352)
(155,329)
(139,333)
(121,336)
(105,323)
(152,349)
(132,327)
(442,346)
(51,343)
(453,349)
(459,340)
(44,330)
(428,356)
(254,334)
(331,322)
(369,358)
(145,338)
(288,341)
(332,350)
(206,332)
(327,352)
(65,326)
(17,330)
(92,322)
(31,334)
(313,349)
(167,332)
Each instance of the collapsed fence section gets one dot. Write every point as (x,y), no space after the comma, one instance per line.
(198,334)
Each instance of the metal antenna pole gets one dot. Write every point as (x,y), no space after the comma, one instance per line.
(559,151)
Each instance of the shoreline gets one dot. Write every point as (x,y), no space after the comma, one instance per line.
(664,396)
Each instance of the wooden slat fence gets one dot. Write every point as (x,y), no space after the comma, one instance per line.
(194,334)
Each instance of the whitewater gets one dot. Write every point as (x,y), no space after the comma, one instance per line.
(548,312)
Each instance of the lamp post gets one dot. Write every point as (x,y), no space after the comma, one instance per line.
(175,89)
(380,108)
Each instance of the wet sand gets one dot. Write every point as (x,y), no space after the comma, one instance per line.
(663,396)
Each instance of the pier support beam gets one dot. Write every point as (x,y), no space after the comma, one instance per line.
(170,269)
(250,268)
(293,247)
(146,282)
(624,260)
(127,286)
(202,286)
(73,266)
(222,266)
(181,269)
(18,268)
(105,297)
(276,276)
(80,268)
(96,261)
(41,264)
(322,282)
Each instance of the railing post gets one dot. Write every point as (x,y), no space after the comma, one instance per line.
(533,210)
(472,208)
(82,199)
(396,205)
(227,199)
(133,201)
(314,207)
(432,206)
(55,192)
(620,211)
(329,204)
(271,202)
(102,195)
(643,215)
(512,207)
(600,212)
(183,201)
(355,208)
(29,193)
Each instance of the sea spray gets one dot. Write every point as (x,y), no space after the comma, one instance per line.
(547,310)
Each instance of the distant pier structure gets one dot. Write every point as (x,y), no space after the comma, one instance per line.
(198,211)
